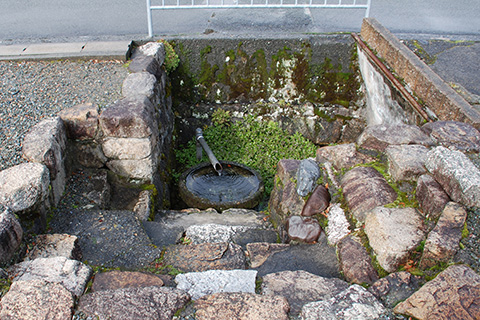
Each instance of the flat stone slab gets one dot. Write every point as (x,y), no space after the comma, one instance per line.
(406,162)
(458,135)
(114,280)
(300,287)
(260,251)
(108,238)
(237,306)
(37,299)
(205,256)
(55,245)
(199,284)
(342,156)
(395,287)
(149,303)
(453,294)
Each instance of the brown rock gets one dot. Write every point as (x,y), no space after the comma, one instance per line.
(459,135)
(342,156)
(355,262)
(318,202)
(453,294)
(431,196)
(443,241)
(395,287)
(143,63)
(260,251)
(81,121)
(122,279)
(303,229)
(205,256)
(240,306)
(406,162)
(365,188)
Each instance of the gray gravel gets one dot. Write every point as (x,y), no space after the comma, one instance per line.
(33,90)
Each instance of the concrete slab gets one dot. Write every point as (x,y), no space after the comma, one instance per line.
(46,48)
(12,50)
(105,46)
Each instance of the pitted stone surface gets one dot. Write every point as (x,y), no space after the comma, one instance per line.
(364,189)
(453,294)
(140,83)
(11,234)
(307,174)
(431,196)
(55,245)
(199,284)
(458,135)
(148,303)
(128,148)
(143,169)
(354,303)
(240,306)
(338,226)
(301,287)
(393,233)
(355,262)
(342,156)
(395,287)
(72,274)
(205,256)
(81,121)
(406,162)
(37,300)
(458,176)
(213,233)
(114,280)
(378,137)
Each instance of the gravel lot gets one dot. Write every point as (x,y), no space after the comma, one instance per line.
(33,90)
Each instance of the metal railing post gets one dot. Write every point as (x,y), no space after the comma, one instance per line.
(367,13)
(149,19)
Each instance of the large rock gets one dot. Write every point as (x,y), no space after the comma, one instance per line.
(72,274)
(148,303)
(355,262)
(128,148)
(239,306)
(259,252)
(431,196)
(303,229)
(216,233)
(114,280)
(284,199)
(393,233)
(318,202)
(11,234)
(143,63)
(205,256)
(199,284)
(301,287)
(143,169)
(379,137)
(338,226)
(37,300)
(86,153)
(443,241)
(141,83)
(55,245)
(307,175)
(152,49)
(458,135)
(46,143)
(458,176)
(81,121)
(351,304)
(406,162)
(364,188)
(395,287)
(453,294)
(342,156)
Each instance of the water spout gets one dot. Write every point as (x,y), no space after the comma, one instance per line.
(201,143)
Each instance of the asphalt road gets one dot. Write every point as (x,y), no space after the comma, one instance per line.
(64,20)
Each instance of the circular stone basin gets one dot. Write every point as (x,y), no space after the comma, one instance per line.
(237,187)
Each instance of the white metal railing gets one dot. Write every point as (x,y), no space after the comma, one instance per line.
(229,4)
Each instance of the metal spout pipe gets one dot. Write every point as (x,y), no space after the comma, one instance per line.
(201,143)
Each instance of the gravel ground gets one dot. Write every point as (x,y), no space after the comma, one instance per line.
(33,90)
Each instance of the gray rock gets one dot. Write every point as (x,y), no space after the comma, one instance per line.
(406,162)
(342,156)
(355,262)
(431,196)
(46,143)
(307,175)
(81,121)
(338,226)
(395,287)
(152,49)
(128,148)
(55,245)
(114,280)
(11,234)
(443,241)
(143,63)
(237,306)
(141,83)
(378,137)
(303,229)
(364,188)
(72,274)
(353,303)
(144,206)
(453,294)
(163,234)
(24,187)
(199,284)
(255,235)
(301,287)
(458,176)
(393,233)
(143,170)
(37,300)
(87,154)
(320,259)
(212,233)
(98,189)
(148,303)
(260,251)
(458,135)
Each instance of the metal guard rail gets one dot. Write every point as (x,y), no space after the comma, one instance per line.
(230,4)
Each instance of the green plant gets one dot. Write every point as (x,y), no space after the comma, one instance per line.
(171,58)
(221,117)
